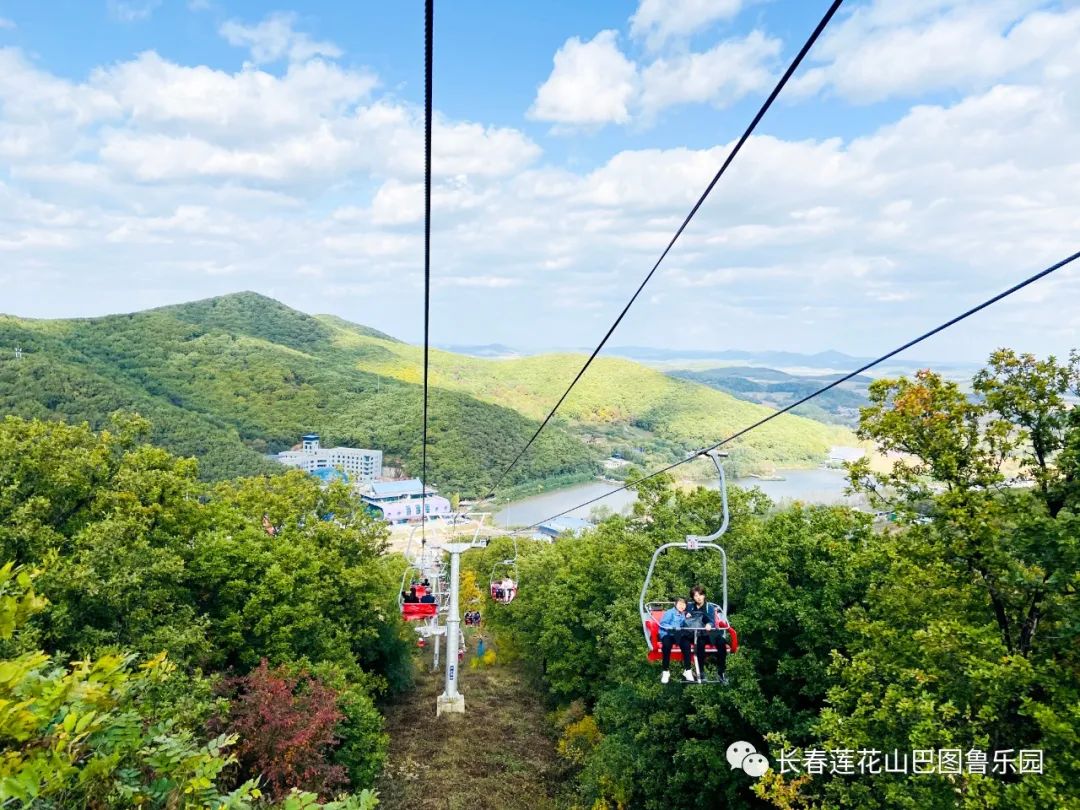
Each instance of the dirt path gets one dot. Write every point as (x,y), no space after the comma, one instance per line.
(500,754)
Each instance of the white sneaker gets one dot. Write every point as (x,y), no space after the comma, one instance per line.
(688,674)
(665,677)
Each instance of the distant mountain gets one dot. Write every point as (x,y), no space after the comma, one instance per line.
(493,350)
(625,407)
(827,359)
(775,375)
(234,378)
(778,389)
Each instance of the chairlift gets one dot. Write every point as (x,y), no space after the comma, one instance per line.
(415,611)
(504,588)
(651,612)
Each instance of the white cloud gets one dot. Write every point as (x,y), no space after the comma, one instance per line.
(6,23)
(896,48)
(274,38)
(483,282)
(594,83)
(124,191)
(658,21)
(591,83)
(132,10)
(155,92)
(721,75)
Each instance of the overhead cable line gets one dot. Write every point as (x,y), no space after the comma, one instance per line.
(429,35)
(708,189)
(966,314)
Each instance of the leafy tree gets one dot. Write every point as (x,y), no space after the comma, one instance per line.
(965,640)
(138,554)
(92,734)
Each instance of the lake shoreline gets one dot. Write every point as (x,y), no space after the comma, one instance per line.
(820,486)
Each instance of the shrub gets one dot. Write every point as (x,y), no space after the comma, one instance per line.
(287,725)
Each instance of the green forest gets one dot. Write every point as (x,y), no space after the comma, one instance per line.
(953,634)
(229,380)
(618,406)
(168,641)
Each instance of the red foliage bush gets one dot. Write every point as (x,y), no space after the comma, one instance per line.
(286,725)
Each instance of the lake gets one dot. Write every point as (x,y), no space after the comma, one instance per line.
(810,486)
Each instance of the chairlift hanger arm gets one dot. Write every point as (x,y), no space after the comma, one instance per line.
(715,456)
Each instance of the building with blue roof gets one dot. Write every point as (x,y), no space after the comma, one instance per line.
(404,501)
(561,525)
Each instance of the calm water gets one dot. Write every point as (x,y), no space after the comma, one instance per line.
(810,486)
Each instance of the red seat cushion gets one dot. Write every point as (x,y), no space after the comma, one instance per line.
(411,611)
(656,652)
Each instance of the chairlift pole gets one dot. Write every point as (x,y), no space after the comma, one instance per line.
(451,701)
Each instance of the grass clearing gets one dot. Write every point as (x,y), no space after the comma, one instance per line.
(499,754)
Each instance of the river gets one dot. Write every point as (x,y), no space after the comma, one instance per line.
(810,486)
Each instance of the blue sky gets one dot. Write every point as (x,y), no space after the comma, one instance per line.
(926,156)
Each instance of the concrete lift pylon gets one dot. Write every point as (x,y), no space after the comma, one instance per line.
(451,701)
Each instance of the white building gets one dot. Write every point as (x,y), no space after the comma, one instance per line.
(360,465)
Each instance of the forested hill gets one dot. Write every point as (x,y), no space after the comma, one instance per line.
(619,406)
(232,378)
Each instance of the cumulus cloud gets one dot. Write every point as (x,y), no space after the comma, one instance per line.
(595,83)
(150,181)
(275,38)
(896,48)
(721,75)
(658,21)
(591,83)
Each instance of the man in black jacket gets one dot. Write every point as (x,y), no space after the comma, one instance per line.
(704,618)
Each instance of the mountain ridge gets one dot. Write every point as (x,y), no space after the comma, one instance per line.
(232,378)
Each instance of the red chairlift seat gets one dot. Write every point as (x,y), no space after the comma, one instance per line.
(656,650)
(414,611)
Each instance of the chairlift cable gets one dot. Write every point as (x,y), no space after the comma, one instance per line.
(708,189)
(429,33)
(951,322)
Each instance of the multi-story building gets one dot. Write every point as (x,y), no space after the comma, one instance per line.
(404,501)
(361,466)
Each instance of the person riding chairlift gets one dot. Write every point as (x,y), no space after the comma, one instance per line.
(705,617)
(672,631)
(411,595)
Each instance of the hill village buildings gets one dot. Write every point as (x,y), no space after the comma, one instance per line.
(393,501)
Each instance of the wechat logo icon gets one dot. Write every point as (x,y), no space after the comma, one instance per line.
(743,755)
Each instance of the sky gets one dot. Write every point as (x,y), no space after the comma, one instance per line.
(925,157)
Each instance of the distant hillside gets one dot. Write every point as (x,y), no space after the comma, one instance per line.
(487,350)
(778,389)
(829,359)
(233,378)
(619,406)
(230,379)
